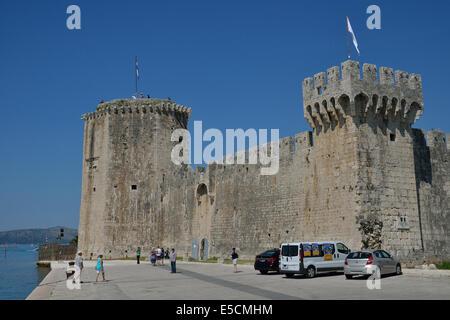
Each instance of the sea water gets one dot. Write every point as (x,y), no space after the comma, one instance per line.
(19,274)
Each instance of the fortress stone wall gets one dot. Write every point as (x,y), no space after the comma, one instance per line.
(363,176)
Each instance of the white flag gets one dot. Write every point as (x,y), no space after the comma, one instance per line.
(137,69)
(349,27)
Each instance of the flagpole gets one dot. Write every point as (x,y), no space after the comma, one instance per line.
(348,39)
(136,76)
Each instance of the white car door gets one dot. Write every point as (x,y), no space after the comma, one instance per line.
(289,257)
(341,253)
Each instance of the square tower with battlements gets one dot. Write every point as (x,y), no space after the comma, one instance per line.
(362,132)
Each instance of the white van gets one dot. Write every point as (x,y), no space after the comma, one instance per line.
(310,258)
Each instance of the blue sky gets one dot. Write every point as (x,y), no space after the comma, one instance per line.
(238,64)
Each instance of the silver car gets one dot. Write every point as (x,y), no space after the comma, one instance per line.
(367,262)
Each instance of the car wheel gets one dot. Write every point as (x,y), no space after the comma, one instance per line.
(311,272)
(398,269)
(348,276)
(289,275)
(263,271)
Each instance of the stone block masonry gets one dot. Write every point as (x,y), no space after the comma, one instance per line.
(363,176)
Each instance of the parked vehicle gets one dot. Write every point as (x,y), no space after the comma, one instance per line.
(268,261)
(310,258)
(367,262)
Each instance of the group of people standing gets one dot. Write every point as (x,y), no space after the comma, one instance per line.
(98,267)
(135,96)
(158,256)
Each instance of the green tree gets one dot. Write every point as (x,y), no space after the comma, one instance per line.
(74,241)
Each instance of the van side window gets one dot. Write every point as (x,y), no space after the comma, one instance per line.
(333,249)
(307,250)
(342,248)
(320,251)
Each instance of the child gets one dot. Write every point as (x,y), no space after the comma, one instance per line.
(99,268)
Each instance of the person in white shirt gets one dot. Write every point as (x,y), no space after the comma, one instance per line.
(79,262)
(173,261)
(158,255)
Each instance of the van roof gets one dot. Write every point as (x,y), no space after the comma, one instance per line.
(319,242)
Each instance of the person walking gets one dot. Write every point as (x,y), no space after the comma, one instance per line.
(138,255)
(167,251)
(79,262)
(173,261)
(153,257)
(99,268)
(162,255)
(234,257)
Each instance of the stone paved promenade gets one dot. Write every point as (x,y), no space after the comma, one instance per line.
(202,281)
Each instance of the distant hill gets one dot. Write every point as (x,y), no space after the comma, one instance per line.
(36,236)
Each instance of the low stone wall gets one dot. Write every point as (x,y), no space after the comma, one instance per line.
(427,273)
(54,252)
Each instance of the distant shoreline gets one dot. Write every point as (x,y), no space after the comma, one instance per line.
(37,236)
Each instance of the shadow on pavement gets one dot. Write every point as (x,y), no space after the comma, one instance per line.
(365,277)
(319,275)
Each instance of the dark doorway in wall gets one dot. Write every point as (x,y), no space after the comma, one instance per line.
(204,249)
(202,190)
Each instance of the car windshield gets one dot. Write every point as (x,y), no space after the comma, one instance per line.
(359,255)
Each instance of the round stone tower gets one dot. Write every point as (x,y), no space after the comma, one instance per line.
(132,194)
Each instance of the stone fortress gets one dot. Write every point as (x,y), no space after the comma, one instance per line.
(363,176)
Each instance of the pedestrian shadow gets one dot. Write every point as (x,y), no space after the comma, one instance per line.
(101,281)
(50,283)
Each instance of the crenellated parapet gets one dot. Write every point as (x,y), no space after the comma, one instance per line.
(340,93)
(138,106)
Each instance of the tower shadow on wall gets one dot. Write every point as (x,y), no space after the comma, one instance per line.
(422,168)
